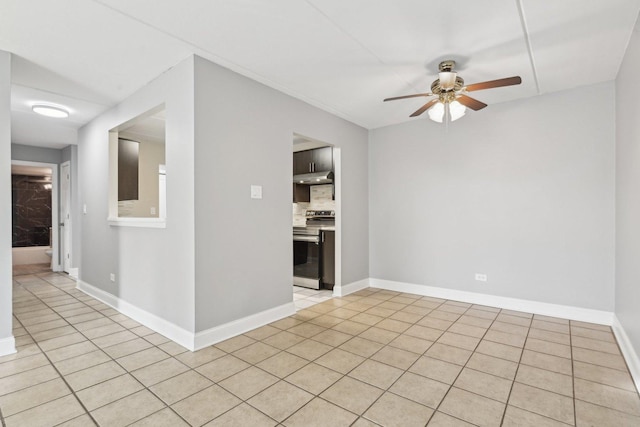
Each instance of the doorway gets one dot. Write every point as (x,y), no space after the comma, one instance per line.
(35,242)
(316,204)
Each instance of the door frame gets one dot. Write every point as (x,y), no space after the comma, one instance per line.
(67,235)
(55,256)
(337,187)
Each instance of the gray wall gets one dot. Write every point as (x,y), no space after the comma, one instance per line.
(28,153)
(5,197)
(521,191)
(244,133)
(627,201)
(154,267)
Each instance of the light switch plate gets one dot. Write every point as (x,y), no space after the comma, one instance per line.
(256,191)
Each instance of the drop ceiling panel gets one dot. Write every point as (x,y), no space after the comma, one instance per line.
(285,44)
(578,42)
(342,59)
(83,42)
(409,40)
(342,56)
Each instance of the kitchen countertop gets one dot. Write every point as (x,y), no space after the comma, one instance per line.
(321,227)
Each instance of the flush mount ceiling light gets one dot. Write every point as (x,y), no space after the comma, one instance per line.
(50,111)
(451,92)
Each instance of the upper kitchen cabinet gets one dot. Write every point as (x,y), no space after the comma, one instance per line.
(317,160)
(302,161)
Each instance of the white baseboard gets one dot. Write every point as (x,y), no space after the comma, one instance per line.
(73,272)
(158,324)
(7,346)
(629,353)
(341,291)
(228,330)
(527,306)
(181,336)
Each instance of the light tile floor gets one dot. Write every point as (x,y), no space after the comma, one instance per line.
(371,358)
(305,298)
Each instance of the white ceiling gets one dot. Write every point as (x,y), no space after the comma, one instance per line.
(343,56)
(148,129)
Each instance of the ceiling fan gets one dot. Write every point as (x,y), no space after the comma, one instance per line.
(451,94)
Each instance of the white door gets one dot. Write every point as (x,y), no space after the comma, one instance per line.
(65,215)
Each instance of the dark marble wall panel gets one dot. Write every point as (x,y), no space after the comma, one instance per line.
(31,196)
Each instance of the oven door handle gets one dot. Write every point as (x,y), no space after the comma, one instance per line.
(310,239)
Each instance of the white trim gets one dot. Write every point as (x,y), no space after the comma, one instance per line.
(342,291)
(137,222)
(528,306)
(74,272)
(55,229)
(158,324)
(337,186)
(68,222)
(629,353)
(181,336)
(220,333)
(7,346)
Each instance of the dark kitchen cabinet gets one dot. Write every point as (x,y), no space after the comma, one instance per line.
(318,160)
(128,154)
(302,161)
(328,259)
(322,159)
(301,193)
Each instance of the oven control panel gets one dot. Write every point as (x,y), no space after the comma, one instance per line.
(320,214)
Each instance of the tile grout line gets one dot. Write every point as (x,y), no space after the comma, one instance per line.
(573,377)
(310,320)
(515,375)
(464,366)
(57,371)
(112,359)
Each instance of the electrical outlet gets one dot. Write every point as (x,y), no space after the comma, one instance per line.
(481,277)
(112,277)
(152,210)
(256,191)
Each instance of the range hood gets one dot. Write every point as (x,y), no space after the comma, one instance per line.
(325,177)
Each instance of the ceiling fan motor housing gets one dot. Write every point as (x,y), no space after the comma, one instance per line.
(437,89)
(446,66)
(437,86)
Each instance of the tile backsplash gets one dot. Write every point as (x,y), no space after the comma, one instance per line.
(321,199)
(299,210)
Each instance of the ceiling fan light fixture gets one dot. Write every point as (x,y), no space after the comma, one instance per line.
(456,110)
(50,111)
(436,113)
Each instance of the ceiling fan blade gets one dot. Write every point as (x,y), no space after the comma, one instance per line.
(407,96)
(424,108)
(509,81)
(472,103)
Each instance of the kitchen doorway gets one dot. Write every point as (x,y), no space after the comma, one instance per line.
(316,221)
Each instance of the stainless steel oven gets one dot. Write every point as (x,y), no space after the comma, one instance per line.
(307,248)
(306,257)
